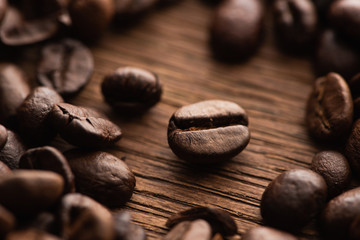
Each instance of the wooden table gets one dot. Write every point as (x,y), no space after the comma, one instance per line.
(272,87)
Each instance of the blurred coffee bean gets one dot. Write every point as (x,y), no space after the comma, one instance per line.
(3,136)
(3,8)
(329,113)
(132,9)
(198,229)
(102,176)
(33,113)
(131,89)
(4,169)
(293,198)
(267,233)
(354,231)
(236,29)
(352,148)
(82,219)
(51,159)
(66,66)
(125,229)
(34,9)
(7,222)
(10,154)
(30,234)
(83,127)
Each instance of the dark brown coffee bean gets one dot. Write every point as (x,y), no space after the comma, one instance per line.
(3,8)
(65,66)
(198,229)
(266,233)
(131,89)
(10,154)
(3,136)
(28,192)
(220,220)
(34,9)
(30,234)
(4,169)
(352,148)
(339,213)
(236,29)
(7,221)
(334,168)
(295,23)
(208,131)
(354,231)
(90,18)
(51,159)
(83,127)
(82,218)
(329,113)
(125,229)
(217,237)
(293,198)
(33,113)
(102,176)
(14,88)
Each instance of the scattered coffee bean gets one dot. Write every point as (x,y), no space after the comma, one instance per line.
(33,113)
(354,231)
(220,220)
(66,66)
(82,218)
(236,29)
(208,131)
(102,176)
(266,233)
(352,148)
(4,169)
(3,136)
(125,229)
(51,159)
(10,154)
(7,222)
(131,89)
(198,229)
(293,198)
(329,113)
(3,8)
(30,234)
(83,127)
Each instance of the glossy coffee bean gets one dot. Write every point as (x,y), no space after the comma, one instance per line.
(293,198)
(65,66)
(30,234)
(4,169)
(83,218)
(354,230)
(7,221)
(102,176)
(33,114)
(83,127)
(50,159)
(329,113)
(267,233)
(208,131)
(335,170)
(3,8)
(10,154)
(219,220)
(125,229)
(198,229)
(3,136)
(131,89)
(14,88)
(339,214)
(352,147)
(236,29)
(30,191)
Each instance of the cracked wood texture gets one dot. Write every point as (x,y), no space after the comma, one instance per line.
(271,86)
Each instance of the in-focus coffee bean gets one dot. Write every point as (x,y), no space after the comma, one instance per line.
(30,234)
(125,229)
(267,233)
(198,229)
(7,221)
(14,147)
(208,131)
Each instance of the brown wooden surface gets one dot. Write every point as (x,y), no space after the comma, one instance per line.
(272,87)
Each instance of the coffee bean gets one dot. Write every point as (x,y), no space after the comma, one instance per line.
(66,66)
(30,234)
(82,218)
(3,136)
(295,23)
(354,231)
(132,9)
(35,9)
(125,229)
(217,237)
(14,88)
(335,170)
(4,169)
(339,213)
(3,8)
(236,29)
(329,113)
(51,159)
(102,176)
(208,131)
(33,114)
(220,220)
(7,222)
(30,191)
(10,154)
(83,127)
(293,198)
(131,89)
(198,229)
(267,233)
(352,148)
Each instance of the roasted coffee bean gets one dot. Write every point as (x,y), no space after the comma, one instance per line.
(198,229)
(3,8)
(51,159)
(334,168)
(354,231)
(7,221)
(217,237)
(102,176)
(4,169)
(33,113)
(3,136)
(295,23)
(293,198)
(83,127)
(208,131)
(131,89)
(339,214)
(329,113)
(90,17)
(236,29)
(28,192)
(34,9)
(352,148)
(65,66)
(266,233)
(30,234)
(10,154)
(82,218)
(220,220)
(14,88)
(125,229)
